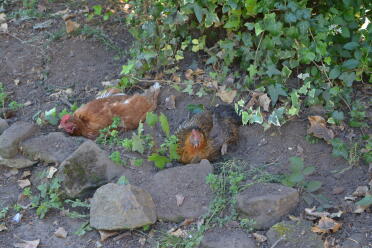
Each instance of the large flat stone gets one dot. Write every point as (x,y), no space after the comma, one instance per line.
(119,207)
(51,148)
(227,238)
(87,169)
(267,203)
(188,182)
(11,137)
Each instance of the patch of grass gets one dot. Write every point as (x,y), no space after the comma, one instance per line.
(100,35)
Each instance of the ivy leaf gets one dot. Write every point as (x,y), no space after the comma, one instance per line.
(334,73)
(188,89)
(198,10)
(286,72)
(275,91)
(164,124)
(258,29)
(276,116)
(251,7)
(338,115)
(159,160)
(210,19)
(271,70)
(350,64)
(351,45)
(348,78)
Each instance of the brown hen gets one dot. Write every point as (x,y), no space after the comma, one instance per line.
(99,113)
(206,135)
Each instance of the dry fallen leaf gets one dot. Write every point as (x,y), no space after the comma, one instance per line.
(326,225)
(180,199)
(66,17)
(360,191)
(175,78)
(170,102)
(71,26)
(264,102)
(24,183)
(198,72)
(226,95)
(312,212)
(28,244)
(319,129)
(259,237)
(179,233)
(51,171)
(3,227)
(25,174)
(188,74)
(106,234)
(60,233)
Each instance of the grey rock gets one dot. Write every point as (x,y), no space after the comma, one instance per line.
(222,238)
(3,125)
(293,234)
(11,137)
(267,203)
(187,181)
(87,169)
(17,162)
(120,207)
(51,148)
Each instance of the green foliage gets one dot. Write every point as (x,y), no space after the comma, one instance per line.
(268,40)
(12,105)
(98,11)
(48,198)
(83,229)
(116,158)
(3,212)
(122,180)
(358,115)
(340,149)
(109,135)
(297,175)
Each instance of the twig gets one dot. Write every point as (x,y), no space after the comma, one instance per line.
(277,242)
(20,40)
(258,47)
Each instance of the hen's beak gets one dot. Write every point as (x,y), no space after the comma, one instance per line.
(60,126)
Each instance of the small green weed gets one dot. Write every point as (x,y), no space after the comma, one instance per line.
(116,158)
(298,172)
(358,115)
(3,212)
(83,229)
(13,105)
(98,11)
(48,198)
(110,135)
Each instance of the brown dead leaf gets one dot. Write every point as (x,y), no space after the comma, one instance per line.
(360,191)
(159,76)
(28,244)
(51,171)
(319,129)
(170,102)
(253,100)
(66,17)
(326,225)
(175,78)
(25,174)
(71,26)
(259,237)
(3,227)
(187,222)
(180,199)
(198,72)
(188,74)
(264,102)
(179,233)
(24,183)
(106,234)
(41,8)
(60,233)
(226,95)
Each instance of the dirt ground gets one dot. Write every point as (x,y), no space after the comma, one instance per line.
(45,67)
